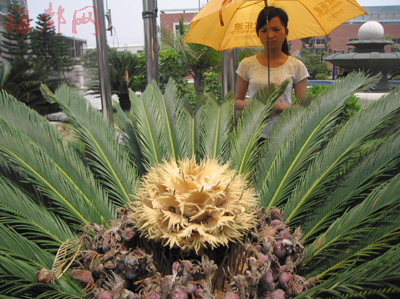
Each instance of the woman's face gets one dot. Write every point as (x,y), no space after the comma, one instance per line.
(277,34)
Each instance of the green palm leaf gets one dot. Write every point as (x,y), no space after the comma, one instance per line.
(284,168)
(193,117)
(7,297)
(273,149)
(347,230)
(20,280)
(43,135)
(40,169)
(216,124)
(109,158)
(5,70)
(20,258)
(32,220)
(16,245)
(176,137)
(148,125)
(384,228)
(330,162)
(376,278)
(244,149)
(130,138)
(377,166)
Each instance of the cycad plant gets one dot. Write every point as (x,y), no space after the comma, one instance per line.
(23,82)
(124,66)
(328,217)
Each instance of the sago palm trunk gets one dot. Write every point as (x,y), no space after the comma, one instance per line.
(124,101)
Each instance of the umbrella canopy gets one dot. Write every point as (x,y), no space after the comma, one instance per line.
(226,24)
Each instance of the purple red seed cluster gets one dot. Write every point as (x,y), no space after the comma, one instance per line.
(112,265)
(272,255)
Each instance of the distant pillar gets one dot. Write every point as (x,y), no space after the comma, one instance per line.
(229,67)
(102,56)
(78,70)
(150,39)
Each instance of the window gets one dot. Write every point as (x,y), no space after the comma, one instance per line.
(320,41)
(320,50)
(396,40)
(176,26)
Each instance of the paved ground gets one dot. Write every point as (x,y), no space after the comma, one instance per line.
(94,100)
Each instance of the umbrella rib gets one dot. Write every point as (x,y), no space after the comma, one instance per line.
(320,25)
(254,3)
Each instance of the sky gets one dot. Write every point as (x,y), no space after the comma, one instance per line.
(126,17)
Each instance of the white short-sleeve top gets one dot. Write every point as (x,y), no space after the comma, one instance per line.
(253,72)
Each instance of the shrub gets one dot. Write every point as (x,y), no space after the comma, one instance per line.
(350,108)
(316,89)
(213,84)
(321,77)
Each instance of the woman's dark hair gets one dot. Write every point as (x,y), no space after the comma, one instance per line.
(273,12)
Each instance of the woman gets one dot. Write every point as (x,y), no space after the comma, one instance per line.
(253,71)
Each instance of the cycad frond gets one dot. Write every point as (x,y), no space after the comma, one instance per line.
(216,124)
(32,220)
(41,170)
(360,249)
(378,165)
(41,134)
(273,149)
(375,278)
(331,161)
(20,258)
(18,278)
(16,274)
(130,138)
(176,125)
(148,125)
(15,245)
(245,136)
(314,127)
(193,117)
(347,230)
(5,70)
(109,158)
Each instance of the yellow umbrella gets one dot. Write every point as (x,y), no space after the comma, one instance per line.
(226,24)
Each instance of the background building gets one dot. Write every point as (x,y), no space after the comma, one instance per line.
(169,18)
(77,46)
(388,16)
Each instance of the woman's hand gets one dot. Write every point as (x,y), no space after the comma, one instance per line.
(278,108)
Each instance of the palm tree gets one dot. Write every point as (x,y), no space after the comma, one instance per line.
(21,81)
(196,59)
(124,66)
(339,181)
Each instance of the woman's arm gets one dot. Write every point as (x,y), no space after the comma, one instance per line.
(300,90)
(240,94)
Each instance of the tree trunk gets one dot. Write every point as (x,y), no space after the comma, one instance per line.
(124,101)
(198,84)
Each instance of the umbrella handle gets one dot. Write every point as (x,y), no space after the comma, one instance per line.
(266,10)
